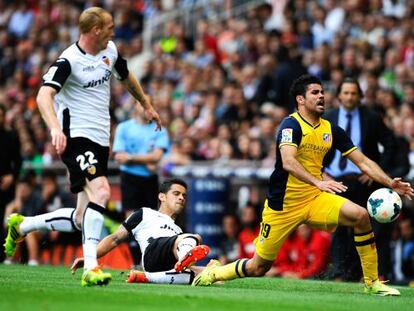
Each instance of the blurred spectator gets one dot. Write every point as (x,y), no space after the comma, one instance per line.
(229,246)
(305,36)
(394,8)
(289,68)
(321,33)
(138,58)
(27,202)
(128,21)
(304,255)
(21,20)
(250,230)
(200,57)
(400,162)
(53,198)
(10,163)
(403,253)
(265,91)
(238,109)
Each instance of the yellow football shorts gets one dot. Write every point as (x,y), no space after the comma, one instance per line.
(321,213)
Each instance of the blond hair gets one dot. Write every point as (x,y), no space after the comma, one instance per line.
(93,16)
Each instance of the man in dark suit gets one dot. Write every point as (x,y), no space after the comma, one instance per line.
(367,130)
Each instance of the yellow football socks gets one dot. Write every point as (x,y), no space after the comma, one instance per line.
(236,269)
(365,245)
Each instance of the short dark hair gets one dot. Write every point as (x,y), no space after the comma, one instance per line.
(3,108)
(300,85)
(352,81)
(166,185)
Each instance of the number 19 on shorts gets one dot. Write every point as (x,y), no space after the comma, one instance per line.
(264,230)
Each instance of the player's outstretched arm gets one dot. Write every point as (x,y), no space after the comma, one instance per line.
(111,241)
(134,88)
(46,107)
(293,166)
(373,170)
(105,246)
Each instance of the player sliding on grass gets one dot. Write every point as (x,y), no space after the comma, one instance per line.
(297,194)
(167,252)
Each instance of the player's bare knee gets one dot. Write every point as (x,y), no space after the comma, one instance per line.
(366,221)
(257,269)
(362,218)
(198,238)
(103,194)
(191,235)
(77,218)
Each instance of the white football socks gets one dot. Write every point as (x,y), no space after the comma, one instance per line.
(91,233)
(170,277)
(60,220)
(186,245)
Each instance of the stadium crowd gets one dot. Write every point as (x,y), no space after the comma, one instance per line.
(222,88)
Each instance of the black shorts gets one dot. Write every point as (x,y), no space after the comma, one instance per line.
(84,159)
(159,255)
(138,191)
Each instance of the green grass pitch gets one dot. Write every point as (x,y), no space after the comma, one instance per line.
(54,288)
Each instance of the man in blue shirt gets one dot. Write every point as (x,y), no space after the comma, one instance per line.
(138,149)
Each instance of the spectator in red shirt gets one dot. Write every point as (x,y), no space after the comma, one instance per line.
(304,255)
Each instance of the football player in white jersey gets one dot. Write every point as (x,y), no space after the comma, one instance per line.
(167,252)
(74,102)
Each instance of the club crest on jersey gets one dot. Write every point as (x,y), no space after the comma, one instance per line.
(91,170)
(287,136)
(106,60)
(326,138)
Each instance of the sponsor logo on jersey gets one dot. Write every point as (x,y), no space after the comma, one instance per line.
(167,227)
(287,136)
(88,68)
(106,60)
(314,148)
(100,81)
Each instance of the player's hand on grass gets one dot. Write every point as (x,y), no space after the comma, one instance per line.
(331,186)
(402,188)
(77,263)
